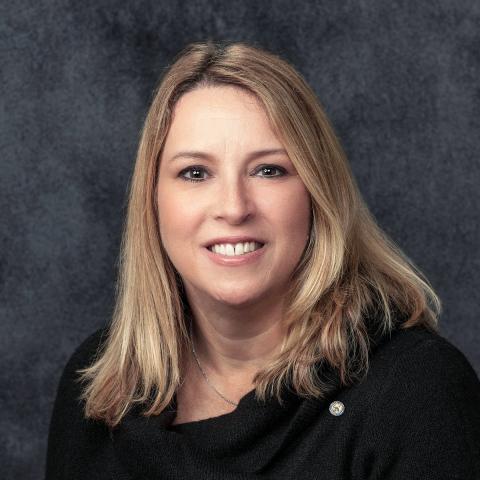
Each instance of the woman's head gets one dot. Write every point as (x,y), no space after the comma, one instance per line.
(274,107)
(324,253)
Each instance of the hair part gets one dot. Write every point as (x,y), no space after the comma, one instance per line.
(351,278)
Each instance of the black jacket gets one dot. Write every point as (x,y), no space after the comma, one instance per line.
(416,415)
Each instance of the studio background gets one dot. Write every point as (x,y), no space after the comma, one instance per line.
(399,81)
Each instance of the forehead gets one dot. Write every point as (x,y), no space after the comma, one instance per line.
(219,100)
(226,111)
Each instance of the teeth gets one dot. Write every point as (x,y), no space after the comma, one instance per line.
(231,250)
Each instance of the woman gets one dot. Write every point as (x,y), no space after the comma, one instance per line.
(264,324)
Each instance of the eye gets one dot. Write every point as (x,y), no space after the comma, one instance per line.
(195,169)
(269,168)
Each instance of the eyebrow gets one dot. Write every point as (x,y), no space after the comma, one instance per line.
(250,156)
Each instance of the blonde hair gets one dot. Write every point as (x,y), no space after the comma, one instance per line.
(350,273)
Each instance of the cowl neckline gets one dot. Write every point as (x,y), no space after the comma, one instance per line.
(247,402)
(232,445)
(235,445)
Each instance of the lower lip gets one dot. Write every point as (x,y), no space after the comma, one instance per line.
(233,261)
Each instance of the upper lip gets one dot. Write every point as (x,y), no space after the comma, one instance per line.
(234,239)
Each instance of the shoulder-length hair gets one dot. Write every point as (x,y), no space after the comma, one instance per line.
(349,268)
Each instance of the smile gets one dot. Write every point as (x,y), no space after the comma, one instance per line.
(231,258)
(230,249)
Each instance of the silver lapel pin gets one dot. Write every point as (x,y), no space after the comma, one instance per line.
(337,408)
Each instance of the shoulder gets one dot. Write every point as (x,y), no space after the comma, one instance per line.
(423,416)
(72,438)
(419,365)
(88,348)
(422,353)
(84,354)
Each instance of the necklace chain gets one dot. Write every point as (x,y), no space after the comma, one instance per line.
(203,372)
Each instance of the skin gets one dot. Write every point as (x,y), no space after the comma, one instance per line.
(237,310)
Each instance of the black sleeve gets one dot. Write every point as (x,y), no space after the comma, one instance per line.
(74,443)
(425,422)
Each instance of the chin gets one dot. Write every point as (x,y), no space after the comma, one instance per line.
(237,299)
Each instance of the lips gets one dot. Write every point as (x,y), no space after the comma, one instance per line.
(249,258)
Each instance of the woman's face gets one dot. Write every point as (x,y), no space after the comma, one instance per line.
(234,193)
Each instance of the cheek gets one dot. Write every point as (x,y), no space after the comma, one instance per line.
(291,214)
(177,216)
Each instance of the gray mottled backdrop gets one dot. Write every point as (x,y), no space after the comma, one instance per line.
(399,81)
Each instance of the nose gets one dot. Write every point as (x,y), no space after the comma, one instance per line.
(234,202)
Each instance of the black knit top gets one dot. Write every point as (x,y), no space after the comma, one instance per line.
(416,415)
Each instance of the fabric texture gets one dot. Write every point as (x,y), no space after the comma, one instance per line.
(416,414)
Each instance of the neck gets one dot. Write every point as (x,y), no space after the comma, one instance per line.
(236,347)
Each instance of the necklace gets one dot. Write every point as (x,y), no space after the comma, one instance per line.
(203,372)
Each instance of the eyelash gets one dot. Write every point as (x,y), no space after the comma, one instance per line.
(198,167)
